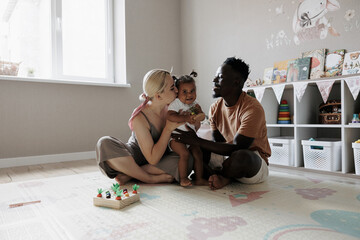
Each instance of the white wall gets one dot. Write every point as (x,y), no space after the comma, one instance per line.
(213,30)
(48,118)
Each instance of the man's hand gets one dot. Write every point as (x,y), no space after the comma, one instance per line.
(186,137)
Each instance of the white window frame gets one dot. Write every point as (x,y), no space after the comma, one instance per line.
(57,58)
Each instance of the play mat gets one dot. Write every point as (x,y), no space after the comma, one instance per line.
(287,206)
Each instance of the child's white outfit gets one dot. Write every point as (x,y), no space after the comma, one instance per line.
(176,106)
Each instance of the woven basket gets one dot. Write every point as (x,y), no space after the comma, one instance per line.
(9,68)
(330,112)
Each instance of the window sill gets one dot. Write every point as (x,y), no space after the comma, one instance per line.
(59,81)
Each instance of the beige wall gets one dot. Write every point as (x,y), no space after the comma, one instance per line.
(213,30)
(49,118)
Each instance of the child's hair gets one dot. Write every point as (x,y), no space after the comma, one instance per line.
(185,79)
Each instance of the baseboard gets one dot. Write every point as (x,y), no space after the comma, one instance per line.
(54,158)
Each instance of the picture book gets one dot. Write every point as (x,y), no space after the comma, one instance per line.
(317,62)
(298,69)
(351,63)
(279,71)
(267,75)
(334,63)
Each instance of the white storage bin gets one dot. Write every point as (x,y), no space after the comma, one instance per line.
(282,150)
(322,154)
(356,147)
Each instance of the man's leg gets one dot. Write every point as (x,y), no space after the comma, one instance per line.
(242,163)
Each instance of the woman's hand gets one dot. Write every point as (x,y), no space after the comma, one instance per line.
(186,137)
(171,126)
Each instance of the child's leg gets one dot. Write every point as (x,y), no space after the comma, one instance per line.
(183,152)
(198,166)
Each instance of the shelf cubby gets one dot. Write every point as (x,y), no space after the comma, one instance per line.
(305,121)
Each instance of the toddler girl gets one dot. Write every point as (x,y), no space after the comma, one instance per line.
(185,109)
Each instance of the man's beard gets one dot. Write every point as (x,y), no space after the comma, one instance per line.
(216,95)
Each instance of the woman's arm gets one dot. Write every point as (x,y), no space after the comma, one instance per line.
(152,152)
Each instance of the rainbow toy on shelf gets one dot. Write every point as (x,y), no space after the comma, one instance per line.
(284,113)
(119,198)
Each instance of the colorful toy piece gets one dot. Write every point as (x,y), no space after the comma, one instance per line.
(126,192)
(118,195)
(108,195)
(119,200)
(357,141)
(135,188)
(284,113)
(99,192)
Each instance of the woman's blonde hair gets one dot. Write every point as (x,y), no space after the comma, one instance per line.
(153,82)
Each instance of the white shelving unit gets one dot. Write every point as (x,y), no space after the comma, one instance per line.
(305,115)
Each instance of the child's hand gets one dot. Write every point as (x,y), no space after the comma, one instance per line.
(190,118)
(199,117)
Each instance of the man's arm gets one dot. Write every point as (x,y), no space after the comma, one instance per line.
(222,148)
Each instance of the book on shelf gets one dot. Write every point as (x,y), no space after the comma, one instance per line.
(279,71)
(334,63)
(268,72)
(298,69)
(317,62)
(351,63)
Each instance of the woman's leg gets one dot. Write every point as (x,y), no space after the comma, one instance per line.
(128,166)
(152,169)
(122,178)
(183,152)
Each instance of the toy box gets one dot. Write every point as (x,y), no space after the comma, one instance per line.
(115,197)
(282,150)
(322,154)
(356,148)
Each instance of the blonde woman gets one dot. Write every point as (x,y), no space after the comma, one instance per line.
(145,156)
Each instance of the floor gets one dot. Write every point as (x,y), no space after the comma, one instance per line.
(291,204)
(16,174)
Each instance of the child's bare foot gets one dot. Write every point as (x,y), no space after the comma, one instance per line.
(122,178)
(201,182)
(185,182)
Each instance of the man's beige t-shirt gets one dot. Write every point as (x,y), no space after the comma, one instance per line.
(246,117)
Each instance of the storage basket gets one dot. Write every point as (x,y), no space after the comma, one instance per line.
(9,68)
(356,147)
(330,112)
(282,151)
(322,154)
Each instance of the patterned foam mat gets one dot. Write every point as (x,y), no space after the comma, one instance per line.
(286,206)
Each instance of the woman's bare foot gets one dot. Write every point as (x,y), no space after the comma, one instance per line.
(122,178)
(162,178)
(201,182)
(218,181)
(185,182)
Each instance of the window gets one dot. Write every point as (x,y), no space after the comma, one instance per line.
(57,39)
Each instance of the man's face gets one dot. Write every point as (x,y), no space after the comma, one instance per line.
(224,81)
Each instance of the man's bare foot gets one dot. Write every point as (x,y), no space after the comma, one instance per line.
(185,182)
(218,181)
(201,182)
(122,178)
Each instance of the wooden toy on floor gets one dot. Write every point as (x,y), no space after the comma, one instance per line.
(119,198)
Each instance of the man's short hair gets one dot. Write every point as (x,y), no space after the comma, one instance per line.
(239,66)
